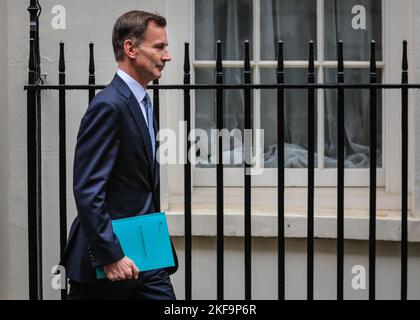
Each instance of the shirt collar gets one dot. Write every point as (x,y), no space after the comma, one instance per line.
(135,87)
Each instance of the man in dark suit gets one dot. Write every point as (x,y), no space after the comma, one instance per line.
(115,170)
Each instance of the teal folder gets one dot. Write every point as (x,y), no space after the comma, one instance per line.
(145,240)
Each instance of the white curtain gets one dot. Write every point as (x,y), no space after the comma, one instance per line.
(356,48)
(293,22)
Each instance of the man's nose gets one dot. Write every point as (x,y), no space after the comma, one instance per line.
(167,57)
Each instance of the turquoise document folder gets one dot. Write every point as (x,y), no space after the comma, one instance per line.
(145,240)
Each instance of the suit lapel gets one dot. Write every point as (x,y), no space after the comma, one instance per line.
(136,112)
(156,170)
(156,166)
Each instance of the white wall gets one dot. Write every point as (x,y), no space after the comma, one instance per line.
(18,35)
(84,25)
(416,45)
(264,269)
(4,155)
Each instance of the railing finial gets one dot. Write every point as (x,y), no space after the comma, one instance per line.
(187,58)
(92,79)
(373,56)
(219,66)
(340,58)
(91,59)
(247,63)
(311,57)
(61,64)
(405,56)
(280,57)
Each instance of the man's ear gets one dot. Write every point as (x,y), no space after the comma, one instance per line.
(129,48)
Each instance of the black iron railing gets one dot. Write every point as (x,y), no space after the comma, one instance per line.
(35,86)
(34,157)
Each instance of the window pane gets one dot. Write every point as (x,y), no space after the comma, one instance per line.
(356,121)
(296,118)
(233,115)
(293,22)
(227,20)
(342,24)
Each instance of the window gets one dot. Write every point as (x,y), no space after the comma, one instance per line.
(264,23)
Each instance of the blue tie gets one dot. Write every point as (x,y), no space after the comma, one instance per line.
(149,112)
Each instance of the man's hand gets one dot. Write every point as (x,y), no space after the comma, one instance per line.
(121,270)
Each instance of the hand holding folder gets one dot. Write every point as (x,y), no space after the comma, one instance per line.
(145,240)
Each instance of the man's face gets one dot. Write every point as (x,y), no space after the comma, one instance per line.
(152,54)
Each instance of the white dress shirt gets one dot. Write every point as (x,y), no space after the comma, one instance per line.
(137,89)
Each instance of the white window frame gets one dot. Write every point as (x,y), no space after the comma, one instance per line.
(398,23)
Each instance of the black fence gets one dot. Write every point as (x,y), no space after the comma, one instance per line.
(35,86)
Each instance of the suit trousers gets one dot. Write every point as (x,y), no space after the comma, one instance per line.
(152,285)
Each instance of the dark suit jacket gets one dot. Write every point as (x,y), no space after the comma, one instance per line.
(114,177)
